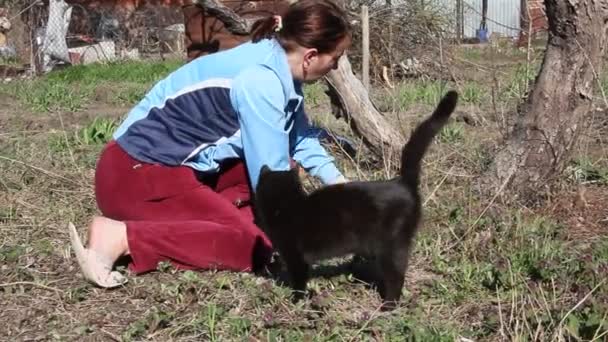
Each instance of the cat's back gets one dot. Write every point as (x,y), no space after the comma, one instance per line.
(359,201)
(350,217)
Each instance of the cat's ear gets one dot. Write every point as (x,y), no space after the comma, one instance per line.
(264,170)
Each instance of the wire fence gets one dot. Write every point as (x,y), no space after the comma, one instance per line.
(44,34)
(407,37)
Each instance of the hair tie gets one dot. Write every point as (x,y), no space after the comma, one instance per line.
(278,23)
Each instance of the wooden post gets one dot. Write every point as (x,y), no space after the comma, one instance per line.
(459,21)
(365,45)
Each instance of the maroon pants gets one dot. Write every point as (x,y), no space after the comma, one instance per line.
(173,215)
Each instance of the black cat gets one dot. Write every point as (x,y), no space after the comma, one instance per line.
(377,219)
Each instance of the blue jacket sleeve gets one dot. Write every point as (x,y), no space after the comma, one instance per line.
(257,95)
(309,153)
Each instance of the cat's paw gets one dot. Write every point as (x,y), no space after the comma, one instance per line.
(298,295)
(389,306)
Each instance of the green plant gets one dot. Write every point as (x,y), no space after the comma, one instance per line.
(452,133)
(521,81)
(97,132)
(155,320)
(314,93)
(473,93)
(583,170)
(43,96)
(70,89)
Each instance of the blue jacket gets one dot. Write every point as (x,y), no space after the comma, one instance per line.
(238,103)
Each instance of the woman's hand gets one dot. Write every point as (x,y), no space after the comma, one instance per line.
(341,179)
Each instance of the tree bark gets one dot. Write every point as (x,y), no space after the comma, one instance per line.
(353,102)
(232,21)
(550,119)
(346,91)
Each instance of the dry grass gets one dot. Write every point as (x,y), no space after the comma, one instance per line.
(482,270)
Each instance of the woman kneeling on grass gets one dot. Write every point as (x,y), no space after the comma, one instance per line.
(174,183)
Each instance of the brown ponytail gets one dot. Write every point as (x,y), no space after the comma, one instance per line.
(319,24)
(263,29)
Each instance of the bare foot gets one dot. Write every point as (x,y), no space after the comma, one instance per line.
(108,237)
(108,241)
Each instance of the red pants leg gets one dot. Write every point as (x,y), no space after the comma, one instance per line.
(171,215)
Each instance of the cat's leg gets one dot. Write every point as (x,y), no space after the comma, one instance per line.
(363,267)
(298,271)
(393,265)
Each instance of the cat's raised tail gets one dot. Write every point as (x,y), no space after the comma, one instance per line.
(421,138)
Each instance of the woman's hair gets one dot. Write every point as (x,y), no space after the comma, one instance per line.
(319,24)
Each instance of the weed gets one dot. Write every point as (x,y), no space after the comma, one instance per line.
(143,72)
(314,94)
(155,320)
(43,96)
(452,133)
(10,254)
(98,132)
(71,89)
(510,274)
(473,93)
(240,326)
(583,170)
(520,82)
(428,92)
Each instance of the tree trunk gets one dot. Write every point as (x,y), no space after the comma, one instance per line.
(353,102)
(346,92)
(549,121)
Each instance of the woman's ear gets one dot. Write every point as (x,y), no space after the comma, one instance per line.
(310,55)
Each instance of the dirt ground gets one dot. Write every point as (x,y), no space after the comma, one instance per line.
(482,270)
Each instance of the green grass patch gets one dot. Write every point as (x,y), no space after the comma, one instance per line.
(72,88)
(584,170)
(520,82)
(314,94)
(410,93)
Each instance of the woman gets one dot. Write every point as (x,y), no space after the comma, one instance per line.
(174,183)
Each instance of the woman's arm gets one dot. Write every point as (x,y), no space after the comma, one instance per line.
(309,153)
(257,95)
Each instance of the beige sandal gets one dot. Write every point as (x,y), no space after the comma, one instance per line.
(87,260)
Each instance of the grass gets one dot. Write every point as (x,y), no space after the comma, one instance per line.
(583,170)
(73,88)
(506,273)
(409,94)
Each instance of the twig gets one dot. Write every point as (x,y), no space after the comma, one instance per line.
(32,4)
(528,50)
(581,302)
(110,335)
(48,173)
(478,66)
(599,328)
(67,143)
(502,322)
(600,336)
(500,190)
(32,284)
(595,75)
(371,317)
(438,186)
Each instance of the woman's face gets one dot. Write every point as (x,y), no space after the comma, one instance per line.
(315,65)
